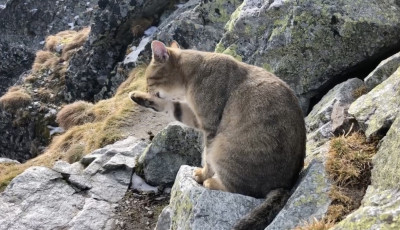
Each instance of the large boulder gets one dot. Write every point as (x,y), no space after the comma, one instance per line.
(172,147)
(196,24)
(311,44)
(78,196)
(381,204)
(376,111)
(90,76)
(194,207)
(199,24)
(24,26)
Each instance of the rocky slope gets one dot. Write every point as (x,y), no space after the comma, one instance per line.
(24,26)
(341,58)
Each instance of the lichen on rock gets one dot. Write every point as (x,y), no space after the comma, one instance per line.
(309,43)
(376,111)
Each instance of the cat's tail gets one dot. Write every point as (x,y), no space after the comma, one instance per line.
(264,214)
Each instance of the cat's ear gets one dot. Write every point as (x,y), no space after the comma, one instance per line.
(160,52)
(174,44)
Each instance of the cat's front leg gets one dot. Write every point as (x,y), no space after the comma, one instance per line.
(178,110)
(149,101)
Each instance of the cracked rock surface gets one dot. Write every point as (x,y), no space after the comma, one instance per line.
(78,196)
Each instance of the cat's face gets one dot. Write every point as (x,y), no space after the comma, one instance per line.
(164,76)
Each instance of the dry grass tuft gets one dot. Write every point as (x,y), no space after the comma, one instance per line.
(360,91)
(77,113)
(45,60)
(15,98)
(75,153)
(349,167)
(316,225)
(77,40)
(44,94)
(68,41)
(110,122)
(349,160)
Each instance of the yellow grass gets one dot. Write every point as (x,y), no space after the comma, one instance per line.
(15,98)
(316,225)
(69,40)
(77,113)
(348,158)
(45,60)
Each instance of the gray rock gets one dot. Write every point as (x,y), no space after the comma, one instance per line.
(68,169)
(384,70)
(198,24)
(195,207)
(336,102)
(80,182)
(164,219)
(110,187)
(26,140)
(311,43)
(69,197)
(376,111)
(330,114)
(34,196)
(174,146)
(120,154)
(380,208)
(95,214)
(90,75)
(8,161)
(309,200)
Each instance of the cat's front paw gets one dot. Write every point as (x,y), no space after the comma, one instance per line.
(144,99)
(198,175)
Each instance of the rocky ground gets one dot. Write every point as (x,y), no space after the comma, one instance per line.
(341,58)
(137,211)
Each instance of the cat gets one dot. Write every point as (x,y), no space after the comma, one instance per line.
(252,123)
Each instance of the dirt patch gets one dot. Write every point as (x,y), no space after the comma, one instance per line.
(139,211)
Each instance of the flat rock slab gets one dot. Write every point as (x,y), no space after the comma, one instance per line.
(71,196)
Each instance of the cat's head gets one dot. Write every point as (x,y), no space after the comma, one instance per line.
(164,75)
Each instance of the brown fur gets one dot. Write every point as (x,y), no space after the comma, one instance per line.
(252,122)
